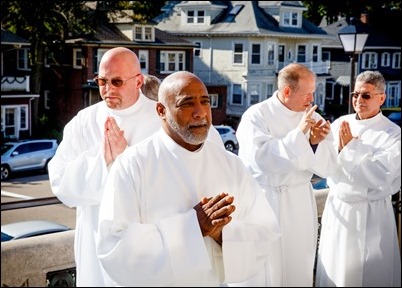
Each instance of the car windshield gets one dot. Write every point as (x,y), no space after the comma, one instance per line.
(5,148)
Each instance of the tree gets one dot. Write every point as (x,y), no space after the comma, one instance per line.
(331,10)
(47,24)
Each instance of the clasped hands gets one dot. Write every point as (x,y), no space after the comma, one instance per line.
(213,214)
(114,142)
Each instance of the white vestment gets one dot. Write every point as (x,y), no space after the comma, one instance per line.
(149,233)
(78,172)
(359,242)
(280,157)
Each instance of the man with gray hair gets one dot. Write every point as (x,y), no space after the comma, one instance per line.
(359,242)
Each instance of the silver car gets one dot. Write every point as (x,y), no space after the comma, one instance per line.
(26,155)
(30,228)
(228,135)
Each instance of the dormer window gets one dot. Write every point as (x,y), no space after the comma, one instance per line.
(196,17)
(144,33)
(291,19)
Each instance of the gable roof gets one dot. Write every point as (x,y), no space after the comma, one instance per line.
(109,34)
(252,19)
(10,38)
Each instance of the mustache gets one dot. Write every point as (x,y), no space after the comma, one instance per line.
(200,123)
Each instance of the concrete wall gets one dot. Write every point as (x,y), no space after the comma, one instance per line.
(41,261)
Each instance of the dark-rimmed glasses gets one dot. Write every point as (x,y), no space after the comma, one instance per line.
(365,96)
(116,82)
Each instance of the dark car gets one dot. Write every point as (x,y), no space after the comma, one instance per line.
(26,155)
(395,117)
(25,229)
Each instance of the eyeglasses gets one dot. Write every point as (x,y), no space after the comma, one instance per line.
(365,96)
(116,82)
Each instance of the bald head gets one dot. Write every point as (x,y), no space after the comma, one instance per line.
(123,56)
(174,83)
(185,109)
(123,65)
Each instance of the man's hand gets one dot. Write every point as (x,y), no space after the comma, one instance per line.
(345,135)
(213,214)
(307,121)
(114,142)
(318,132)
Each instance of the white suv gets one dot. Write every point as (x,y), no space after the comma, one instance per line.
(228,135)
(26,155)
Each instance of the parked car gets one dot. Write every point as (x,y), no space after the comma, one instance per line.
(395,117)
(228,135)
(30,228)
(26,155)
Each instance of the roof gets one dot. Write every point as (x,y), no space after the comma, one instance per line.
(375,39)
(9,38)
(343,80)
(252,19)
(110,34)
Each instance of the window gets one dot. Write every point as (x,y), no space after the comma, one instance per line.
(290,19)
(48,58)
(98,57)
(23,117)
(171,61)
(319,96)
(301,53)
(78,60)
(238,53)
(281,53)
(393,92)
(270,90)
(197,50)
(214,98)
(46,99)
(314,55)
(385,59)
(326,57)
(369,60)
(195,17)
(13,119)
(254,93)
(144,33)
(271,54)
(255,53)
(23,59)
(237,95)
(396,60)
(143,56)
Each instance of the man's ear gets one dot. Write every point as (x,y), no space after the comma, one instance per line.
(161,110)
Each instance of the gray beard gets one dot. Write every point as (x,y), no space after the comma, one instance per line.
(186,134)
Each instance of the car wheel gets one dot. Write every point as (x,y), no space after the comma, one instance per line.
(5,172)
(229,146)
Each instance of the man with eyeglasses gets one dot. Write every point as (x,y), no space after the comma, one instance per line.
(91,142)
(284,142)
(359,242)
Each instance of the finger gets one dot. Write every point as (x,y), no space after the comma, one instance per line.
(311,110)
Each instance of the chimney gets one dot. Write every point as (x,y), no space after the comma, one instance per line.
(364,18)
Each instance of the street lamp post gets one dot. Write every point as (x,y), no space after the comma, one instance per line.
(353,38)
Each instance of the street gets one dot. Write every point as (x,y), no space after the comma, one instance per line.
(33,186)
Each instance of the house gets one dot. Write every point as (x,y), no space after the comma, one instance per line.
(382,52)
(16,97)
(242,45)
(67,85)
